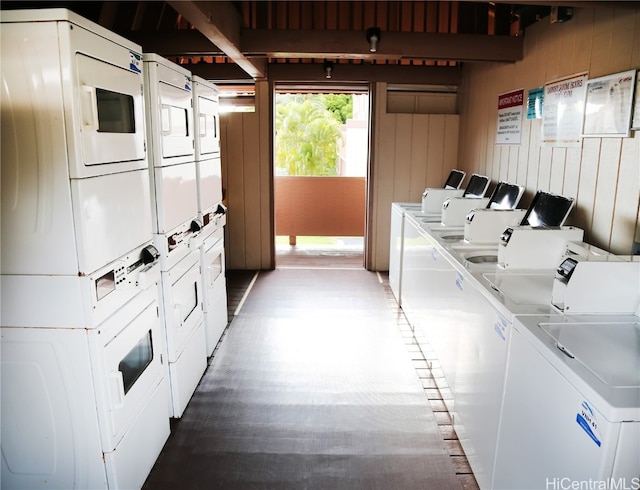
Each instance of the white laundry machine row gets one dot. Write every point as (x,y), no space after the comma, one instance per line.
(177,225)
(211,211)
(84,390)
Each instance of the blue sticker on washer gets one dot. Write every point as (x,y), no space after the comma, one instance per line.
(460,281)
(501,327)
(135,62)
(587,420)
(187,83)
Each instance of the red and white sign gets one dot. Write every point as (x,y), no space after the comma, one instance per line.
(509,127)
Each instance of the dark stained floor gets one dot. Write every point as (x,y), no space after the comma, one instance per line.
(318,382)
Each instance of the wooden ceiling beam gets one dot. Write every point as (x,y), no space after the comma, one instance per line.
(314,72)
(392,46)
(220,23)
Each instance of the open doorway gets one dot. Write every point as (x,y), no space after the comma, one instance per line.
(321,152)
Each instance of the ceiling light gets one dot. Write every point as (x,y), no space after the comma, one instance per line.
(373,38)
(328,68)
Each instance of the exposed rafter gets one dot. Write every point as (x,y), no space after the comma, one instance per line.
(220,23)
(394,45)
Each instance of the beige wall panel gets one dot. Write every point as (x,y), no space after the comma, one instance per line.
(621,48)
(402,157)
(601,49)
(544,169)
(571,179)
(247,180)
(435,152)
(419,138)
(267,228)
(451,143)
(627,197)
(606,192)
(635,52)
(556,178)
(232,152)
(582,214)
(383,196)
(253,190)
(520,175)
(600,41)
(581,58)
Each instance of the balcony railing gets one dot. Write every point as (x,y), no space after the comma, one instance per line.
(319,206)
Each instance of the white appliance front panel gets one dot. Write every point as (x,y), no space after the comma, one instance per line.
(39,61)
(541,435)
(207,121)
(111,116)
(215,289)
(50,433)
(182,302)
(113,216)
(169,109)
(128,466)
(176,116)
(129,347)
(176,196)
(186,371)
(209,184)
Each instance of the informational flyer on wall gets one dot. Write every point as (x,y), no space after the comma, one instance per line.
(608,105)
(635,122)
(535,98)
(509,126)
(563,111)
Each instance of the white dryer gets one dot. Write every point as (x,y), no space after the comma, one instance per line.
(75,189)
(207,147)
(169,110)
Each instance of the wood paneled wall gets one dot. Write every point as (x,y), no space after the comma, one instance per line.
(410,152)
(603,175)
(248,184)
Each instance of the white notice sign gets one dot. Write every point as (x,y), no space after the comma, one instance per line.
(608,105)
(563,110)
(509,126)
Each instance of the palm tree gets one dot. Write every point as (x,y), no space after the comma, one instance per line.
(307,136)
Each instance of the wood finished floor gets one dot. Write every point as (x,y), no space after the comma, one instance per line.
(237,284)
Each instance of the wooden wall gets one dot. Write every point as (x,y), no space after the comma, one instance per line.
(248,184)
(409,152)
(603,175)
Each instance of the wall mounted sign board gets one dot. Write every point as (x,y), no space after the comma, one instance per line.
(608,105)
(562,111)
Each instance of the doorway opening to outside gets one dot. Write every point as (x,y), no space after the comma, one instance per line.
(320,175)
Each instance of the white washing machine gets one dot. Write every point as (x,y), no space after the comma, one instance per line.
(75,189)
(571,412)
(396,245)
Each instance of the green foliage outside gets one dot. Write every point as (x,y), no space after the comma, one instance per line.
(308,132)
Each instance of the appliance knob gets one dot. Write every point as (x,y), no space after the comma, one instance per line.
(149,254)
(222,209)
(196,225)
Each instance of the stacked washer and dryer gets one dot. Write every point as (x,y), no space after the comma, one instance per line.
(107,222)
(211,211)
(176,226)
(84,387)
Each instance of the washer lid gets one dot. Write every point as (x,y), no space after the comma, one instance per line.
(611,351)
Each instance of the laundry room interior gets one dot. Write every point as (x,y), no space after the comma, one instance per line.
(439,287)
